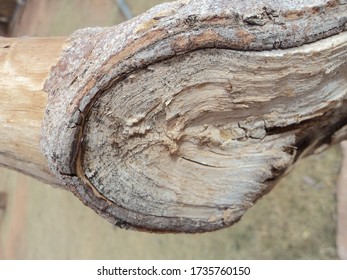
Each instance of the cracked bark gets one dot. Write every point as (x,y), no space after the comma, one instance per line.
(180,119)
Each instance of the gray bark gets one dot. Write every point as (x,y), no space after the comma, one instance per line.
(180,119)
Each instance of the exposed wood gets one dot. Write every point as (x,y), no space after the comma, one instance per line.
(166,125)
(24,66)
(180,119)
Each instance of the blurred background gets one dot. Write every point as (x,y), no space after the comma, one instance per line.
(297,220)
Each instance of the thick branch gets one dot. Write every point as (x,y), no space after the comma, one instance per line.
(24,67)
(180,119)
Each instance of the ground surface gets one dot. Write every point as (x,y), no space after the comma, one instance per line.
(297,220)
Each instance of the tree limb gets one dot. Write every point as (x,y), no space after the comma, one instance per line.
(180,119)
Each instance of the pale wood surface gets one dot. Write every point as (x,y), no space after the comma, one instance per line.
(25,64)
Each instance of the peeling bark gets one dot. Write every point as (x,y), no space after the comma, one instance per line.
(180,119)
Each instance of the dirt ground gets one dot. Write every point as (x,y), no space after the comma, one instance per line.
(297,220)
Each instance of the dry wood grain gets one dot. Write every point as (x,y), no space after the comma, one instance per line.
(180,119)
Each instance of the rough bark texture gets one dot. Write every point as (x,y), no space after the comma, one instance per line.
(180,119)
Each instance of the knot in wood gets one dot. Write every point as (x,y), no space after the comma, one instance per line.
(164,125)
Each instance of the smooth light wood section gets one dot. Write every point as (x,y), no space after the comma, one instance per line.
(24,67)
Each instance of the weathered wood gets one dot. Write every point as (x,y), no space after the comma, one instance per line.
(164,125)
(24,66)
(180,119)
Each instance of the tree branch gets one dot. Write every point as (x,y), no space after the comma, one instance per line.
(180,119)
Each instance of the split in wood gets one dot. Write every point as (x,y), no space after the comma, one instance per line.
(180,119)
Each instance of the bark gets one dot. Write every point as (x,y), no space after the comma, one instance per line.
(180,119)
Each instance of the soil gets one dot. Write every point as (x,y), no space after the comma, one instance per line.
(341,239)
(297,220)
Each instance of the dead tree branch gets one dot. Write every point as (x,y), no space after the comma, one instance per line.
(180,119)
